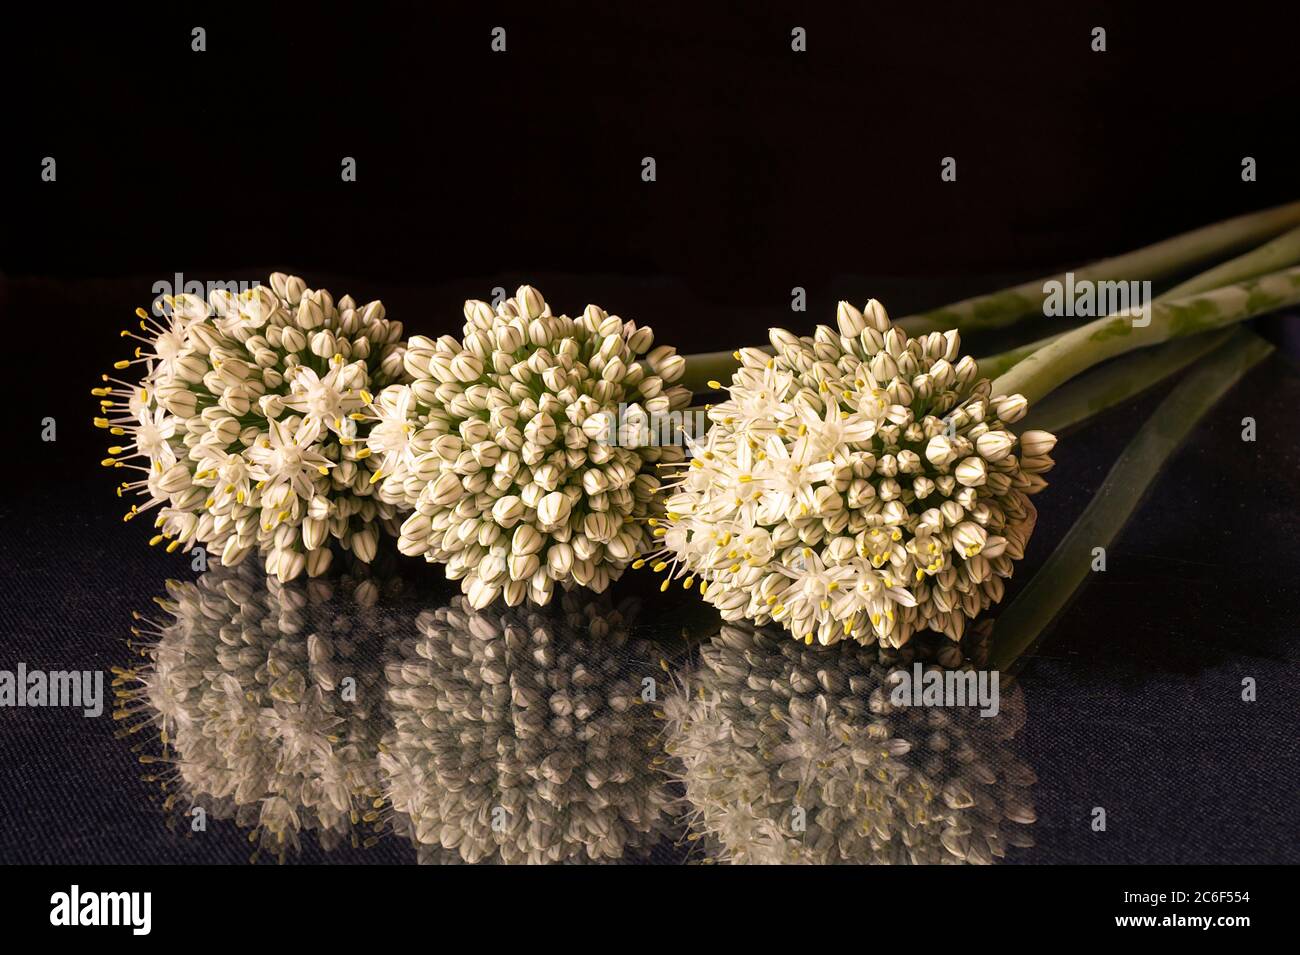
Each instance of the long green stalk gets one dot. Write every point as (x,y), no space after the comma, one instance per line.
(1116,382)
(1281,253)
(1051,589)
(1080,349)
(1154,262)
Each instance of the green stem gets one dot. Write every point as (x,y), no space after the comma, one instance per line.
(1050,590)
(1154,262)
(994,365)
(1080,349)
(1112,384)
(1283,252)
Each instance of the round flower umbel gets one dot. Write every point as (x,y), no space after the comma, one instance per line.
(247,428)
(507,447)
(857,484)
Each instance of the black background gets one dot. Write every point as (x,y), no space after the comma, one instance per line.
(476,169)
(775,169)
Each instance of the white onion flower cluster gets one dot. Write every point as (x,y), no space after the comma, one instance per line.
(267,698)
(503,446)
(246,426)
(794,754)
(858,485)
(526,736)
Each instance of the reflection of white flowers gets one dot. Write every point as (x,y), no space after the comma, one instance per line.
(857,484)
(500,446)
(793,754)
(246,427)
(525,736)
(266,699)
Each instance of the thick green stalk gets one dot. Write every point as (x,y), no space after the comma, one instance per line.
(994,365)
(1281,253)
(1154,262)
(1050,590)
(1080,349)
(1112,384)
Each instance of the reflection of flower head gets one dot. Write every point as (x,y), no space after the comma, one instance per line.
(246,424)
(796,754)
(501,445)
(857,484)
(525,736)
(266,699)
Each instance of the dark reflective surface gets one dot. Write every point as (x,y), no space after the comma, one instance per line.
(344,712)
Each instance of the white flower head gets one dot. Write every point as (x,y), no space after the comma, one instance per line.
(883,476)
(250,409)
(515,483)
